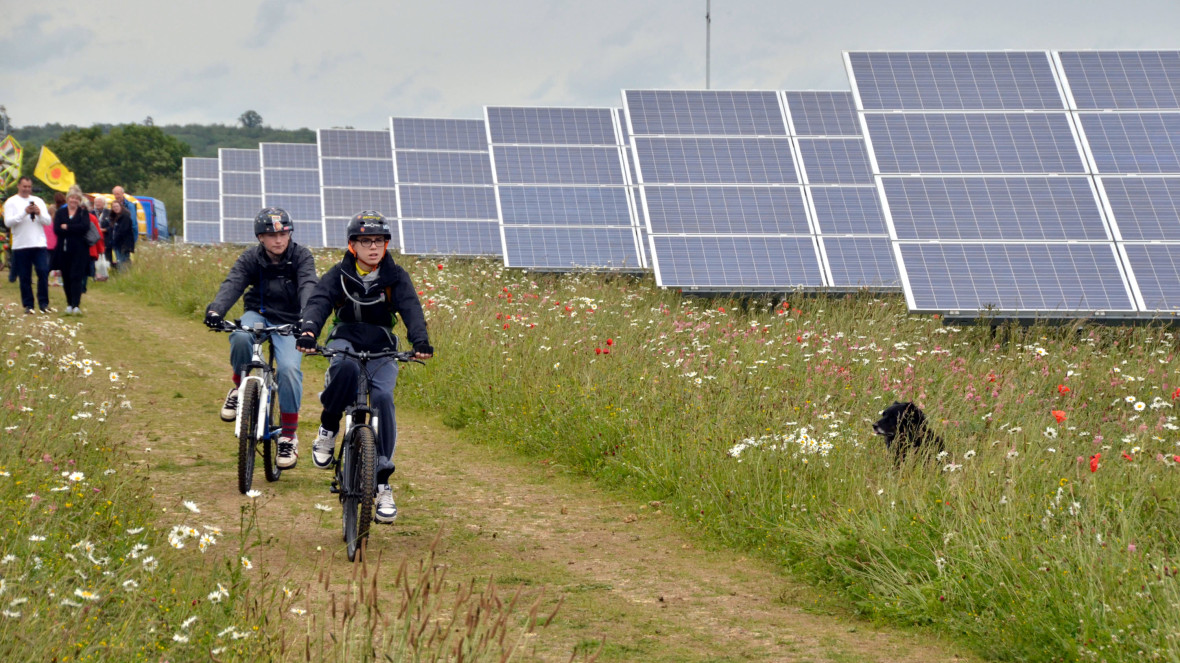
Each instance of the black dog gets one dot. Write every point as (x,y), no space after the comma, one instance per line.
(905,429)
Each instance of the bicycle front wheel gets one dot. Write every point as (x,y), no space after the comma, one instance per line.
(270,446)
(247,436)
(360,476)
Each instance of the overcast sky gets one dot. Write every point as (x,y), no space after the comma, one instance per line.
(302,63)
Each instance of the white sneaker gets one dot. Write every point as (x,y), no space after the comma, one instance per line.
(229,409)
(288,452)
(386,510)
(322,448)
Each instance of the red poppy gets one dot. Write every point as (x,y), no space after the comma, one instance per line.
(1062,389)
(1176,458)
(440,266)
(1094,462)
(799,339)
(606,351)
(597,351)
(721,309)
(1176,394)
(991,377)
(1059,416)
(610,341)
(505,325)
(1129,457)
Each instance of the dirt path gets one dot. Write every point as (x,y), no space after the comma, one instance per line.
(628,572)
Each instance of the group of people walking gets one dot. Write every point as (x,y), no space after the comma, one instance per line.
(75,237)
(365,294)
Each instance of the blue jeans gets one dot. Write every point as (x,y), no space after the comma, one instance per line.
(123,258)
(287,361)
(341,388)
(24,263)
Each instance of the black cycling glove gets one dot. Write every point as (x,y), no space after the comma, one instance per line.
(212,319)
(305,342)
(423,349)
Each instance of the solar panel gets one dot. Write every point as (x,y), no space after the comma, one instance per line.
(736,263)
(835,160)
(447,204)
(1144,208)
(551,126)
(1156,269)
(563,189)
(202,200)
(704,113)
(241,193)
(722,171)
(860,262)
(1015,278)
(1134,142)
(846,210)
(995,208)
(357,174)
(819,113)
(291,181)
(944,81)
(1123,80)
(727,210)
(960,143)
(716,160)
(998,211)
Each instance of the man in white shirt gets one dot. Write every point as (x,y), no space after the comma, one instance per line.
(27,217)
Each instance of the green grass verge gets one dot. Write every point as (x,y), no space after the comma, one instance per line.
(1032,539)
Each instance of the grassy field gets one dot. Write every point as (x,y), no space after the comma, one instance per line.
(1047,531)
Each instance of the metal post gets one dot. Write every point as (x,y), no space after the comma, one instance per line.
(708,30)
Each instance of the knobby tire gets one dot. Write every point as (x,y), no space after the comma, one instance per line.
(270,446)
(248,407)
(361,470)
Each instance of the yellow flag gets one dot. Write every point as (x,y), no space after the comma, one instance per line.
(52,171)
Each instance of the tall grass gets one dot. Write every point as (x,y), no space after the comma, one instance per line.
(1046,532)
(93,568)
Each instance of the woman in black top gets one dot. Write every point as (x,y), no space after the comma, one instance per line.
(72,253)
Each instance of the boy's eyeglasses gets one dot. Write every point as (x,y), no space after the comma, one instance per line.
(369,242)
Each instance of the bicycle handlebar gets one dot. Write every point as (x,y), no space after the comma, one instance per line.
(236,325)
(405,357)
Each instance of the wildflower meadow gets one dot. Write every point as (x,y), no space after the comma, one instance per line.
(94,566)
(1046,531)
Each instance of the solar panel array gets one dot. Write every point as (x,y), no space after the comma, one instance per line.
(1020,184)
(739,194)
(291,181)
(356,174)
(241,193)
(1027,184)
(562,189)
(1127,104)
(446,199)
(202,200)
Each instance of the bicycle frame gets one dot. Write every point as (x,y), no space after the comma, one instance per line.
(267,387)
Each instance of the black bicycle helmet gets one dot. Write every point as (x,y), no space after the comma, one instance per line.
(272,220)
(369,223)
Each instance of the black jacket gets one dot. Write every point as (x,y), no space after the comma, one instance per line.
(276,290)
(123,232)
(366,313)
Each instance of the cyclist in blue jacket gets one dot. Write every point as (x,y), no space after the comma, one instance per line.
(368,292)
(278,277)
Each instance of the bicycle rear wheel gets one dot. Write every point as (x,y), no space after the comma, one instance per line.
(270,446)
(247,436)
(360,475)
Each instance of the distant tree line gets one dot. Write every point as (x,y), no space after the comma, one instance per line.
(145,158)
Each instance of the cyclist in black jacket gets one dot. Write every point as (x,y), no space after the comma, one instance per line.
(278,277)
(368,292)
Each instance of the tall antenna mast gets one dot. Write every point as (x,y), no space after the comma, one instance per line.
(708,30)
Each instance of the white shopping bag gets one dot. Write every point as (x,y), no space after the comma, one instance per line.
(102,269)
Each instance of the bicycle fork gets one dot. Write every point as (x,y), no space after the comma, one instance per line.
(260,431)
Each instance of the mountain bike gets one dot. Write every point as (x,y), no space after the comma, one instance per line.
(257,425)
(355,481)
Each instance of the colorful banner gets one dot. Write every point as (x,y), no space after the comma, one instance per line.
(10,155)
(52,171)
